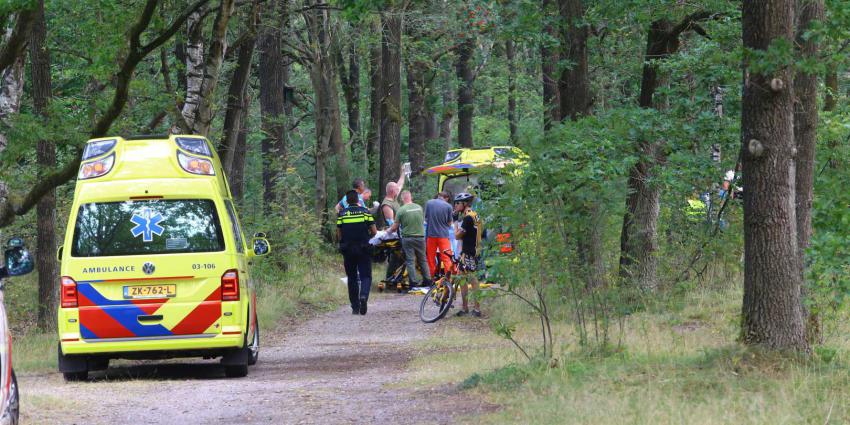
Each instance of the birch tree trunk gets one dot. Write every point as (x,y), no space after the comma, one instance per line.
(194,60)
(202,118)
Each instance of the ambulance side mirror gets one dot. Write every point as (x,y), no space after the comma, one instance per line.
(18,260)
(260,247)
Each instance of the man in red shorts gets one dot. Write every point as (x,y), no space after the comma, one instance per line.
(438,215)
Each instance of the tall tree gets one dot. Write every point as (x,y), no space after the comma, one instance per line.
(510,55)
(772,312)
(48,275)
(639,236)
(575,98)
(319,56)
(549,60)
(465,94)
(274,77)
(373,137)
(391,117)
(447,117)
(200,115)
(805,138)
(192,55)
(416,112)
(349,77)
(237,103)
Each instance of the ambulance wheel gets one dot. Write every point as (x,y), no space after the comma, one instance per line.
(236,371)
(76,376)
(14,408)
(254,346)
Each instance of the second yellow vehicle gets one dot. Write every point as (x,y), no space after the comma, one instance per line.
(154,262)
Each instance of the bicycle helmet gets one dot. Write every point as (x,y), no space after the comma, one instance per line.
(464,197)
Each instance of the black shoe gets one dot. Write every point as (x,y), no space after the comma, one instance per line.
(363,306)
(462,313)
(476,313)
(355,309)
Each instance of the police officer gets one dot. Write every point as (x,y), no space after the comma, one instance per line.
(354,227)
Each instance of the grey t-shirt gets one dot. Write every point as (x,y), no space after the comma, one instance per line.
(438,214)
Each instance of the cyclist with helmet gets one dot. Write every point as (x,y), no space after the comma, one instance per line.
(468,233)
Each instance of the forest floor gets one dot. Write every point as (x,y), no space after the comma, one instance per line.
(333,368)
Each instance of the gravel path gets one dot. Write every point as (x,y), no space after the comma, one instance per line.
(334,369)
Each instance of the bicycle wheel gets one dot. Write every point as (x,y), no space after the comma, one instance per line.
(437,301)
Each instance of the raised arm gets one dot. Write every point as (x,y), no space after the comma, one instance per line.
(401,179)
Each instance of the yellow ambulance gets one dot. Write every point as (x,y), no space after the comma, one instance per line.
(154,262)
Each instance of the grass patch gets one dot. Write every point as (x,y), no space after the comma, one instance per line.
(680,366)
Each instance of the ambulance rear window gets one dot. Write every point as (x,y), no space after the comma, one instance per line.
(147,227)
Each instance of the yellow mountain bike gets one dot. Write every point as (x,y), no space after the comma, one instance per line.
(439,298)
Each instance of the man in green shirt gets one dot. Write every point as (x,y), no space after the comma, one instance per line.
(410,218)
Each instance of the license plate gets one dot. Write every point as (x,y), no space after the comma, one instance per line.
(150,291)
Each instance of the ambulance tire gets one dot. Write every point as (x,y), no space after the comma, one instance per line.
(73,368)
(14,408)
(254,346)
(236,371)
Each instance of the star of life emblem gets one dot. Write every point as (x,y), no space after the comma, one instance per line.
(147,224)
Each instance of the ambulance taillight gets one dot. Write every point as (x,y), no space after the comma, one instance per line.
(230,285)
(69,293)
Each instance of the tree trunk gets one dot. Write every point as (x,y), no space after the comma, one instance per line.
(447,118)
(373,138)
(274,76)
(830,100)
(771,315)
(391,100)
(432,124)
(574,93)
(465,94)
(202,117)
(236,97)
(416,116)
(194,60)
(240,152)
(639,236)
(549,60)
(350,82)
(510,53)
(48,275)
(805,138)
(328,119)
(573,84)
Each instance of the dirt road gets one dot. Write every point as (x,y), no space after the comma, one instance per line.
(334,369)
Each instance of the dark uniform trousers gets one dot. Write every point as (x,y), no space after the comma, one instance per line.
(358,270)
(354,223)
